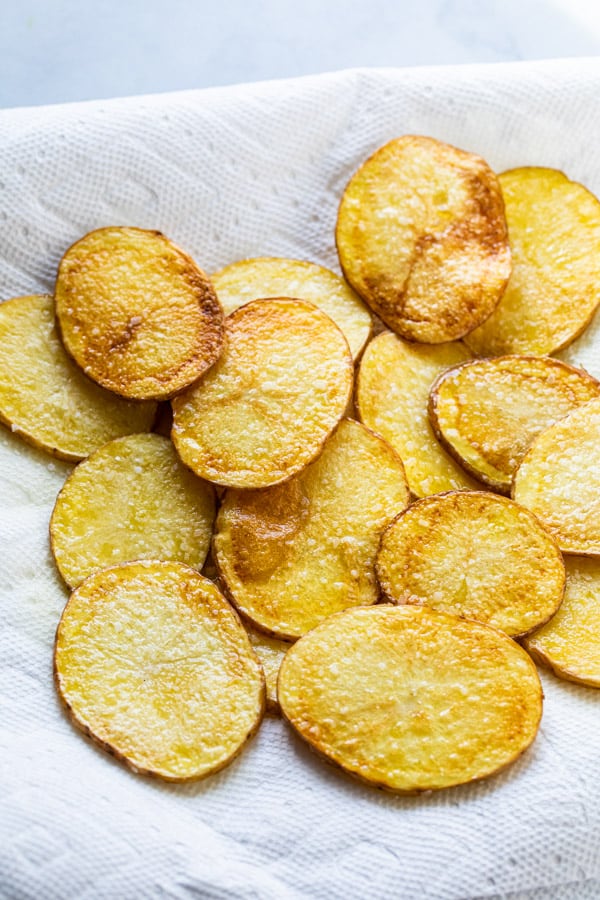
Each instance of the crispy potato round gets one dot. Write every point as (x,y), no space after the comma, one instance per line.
(265,410)
(131,499)
(421,236)
(475,555)
(570,642)
(487,412)
(554,289)
(559,480)
(410,699)
(136,313)
(154,665)
(293,554)
(270,651)
(45,398)
(257,279)
(391,398)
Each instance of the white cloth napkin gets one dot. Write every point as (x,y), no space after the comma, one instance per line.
(230,173)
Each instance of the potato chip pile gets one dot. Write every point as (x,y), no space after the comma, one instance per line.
(275,509)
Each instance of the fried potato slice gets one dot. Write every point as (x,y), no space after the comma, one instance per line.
(136,313)
(158,509)
(293,554)
(264,411)
(45,398)
(153,664)
(257,279)
(476,555)
(410,699)
(487,412)
(270,651)
(559,480)
(421,236)
(554,289)
(570,642)
(392,393)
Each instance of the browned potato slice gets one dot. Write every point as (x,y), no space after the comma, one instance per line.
(256,279)
(421,236)
(293,554)
(45,398)
(154,665)
(267,407)
(487,412)
(475,555)
(570,642)
(132,499)
(391,398)
(410,699)
(559,480)
(554,289)
(270,651)
(136,313)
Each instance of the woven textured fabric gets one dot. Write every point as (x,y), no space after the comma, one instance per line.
(232,173)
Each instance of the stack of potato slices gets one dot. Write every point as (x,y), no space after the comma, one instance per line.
(321,529)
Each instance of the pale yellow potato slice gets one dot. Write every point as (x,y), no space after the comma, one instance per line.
(554,289)
(559,480)
(476,555)
(136,313)
(131,499)
(293,554)
(392,393)
(487,412)
(257,279)
(153,664)
(410,699)
(45,398)
(421,236)
(270,651)
(264,411)
(570,642)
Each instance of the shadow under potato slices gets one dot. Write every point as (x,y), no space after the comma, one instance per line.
(411,699)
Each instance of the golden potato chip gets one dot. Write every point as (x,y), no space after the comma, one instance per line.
(570,642)
(295,553)
(487,412)
(264,411)
(131,499)
(154,665)
(270,651)
(410,699)
(554,289)
(392,393)
(559,480)
(475,555)
(421,236)
(257,279)
(136,313)
(45,398)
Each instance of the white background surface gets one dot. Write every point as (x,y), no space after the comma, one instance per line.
(53,51)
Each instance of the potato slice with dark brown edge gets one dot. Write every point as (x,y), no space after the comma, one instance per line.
(554,289)
(475,555)
(154,665)
(410,699)
(45,398)
(270,651)
(256,279)
(559,480)
(570,642)
(265,410)
(392,392)
(487,412)
(421,236)
(132,499)
(293,554)
(136,313)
